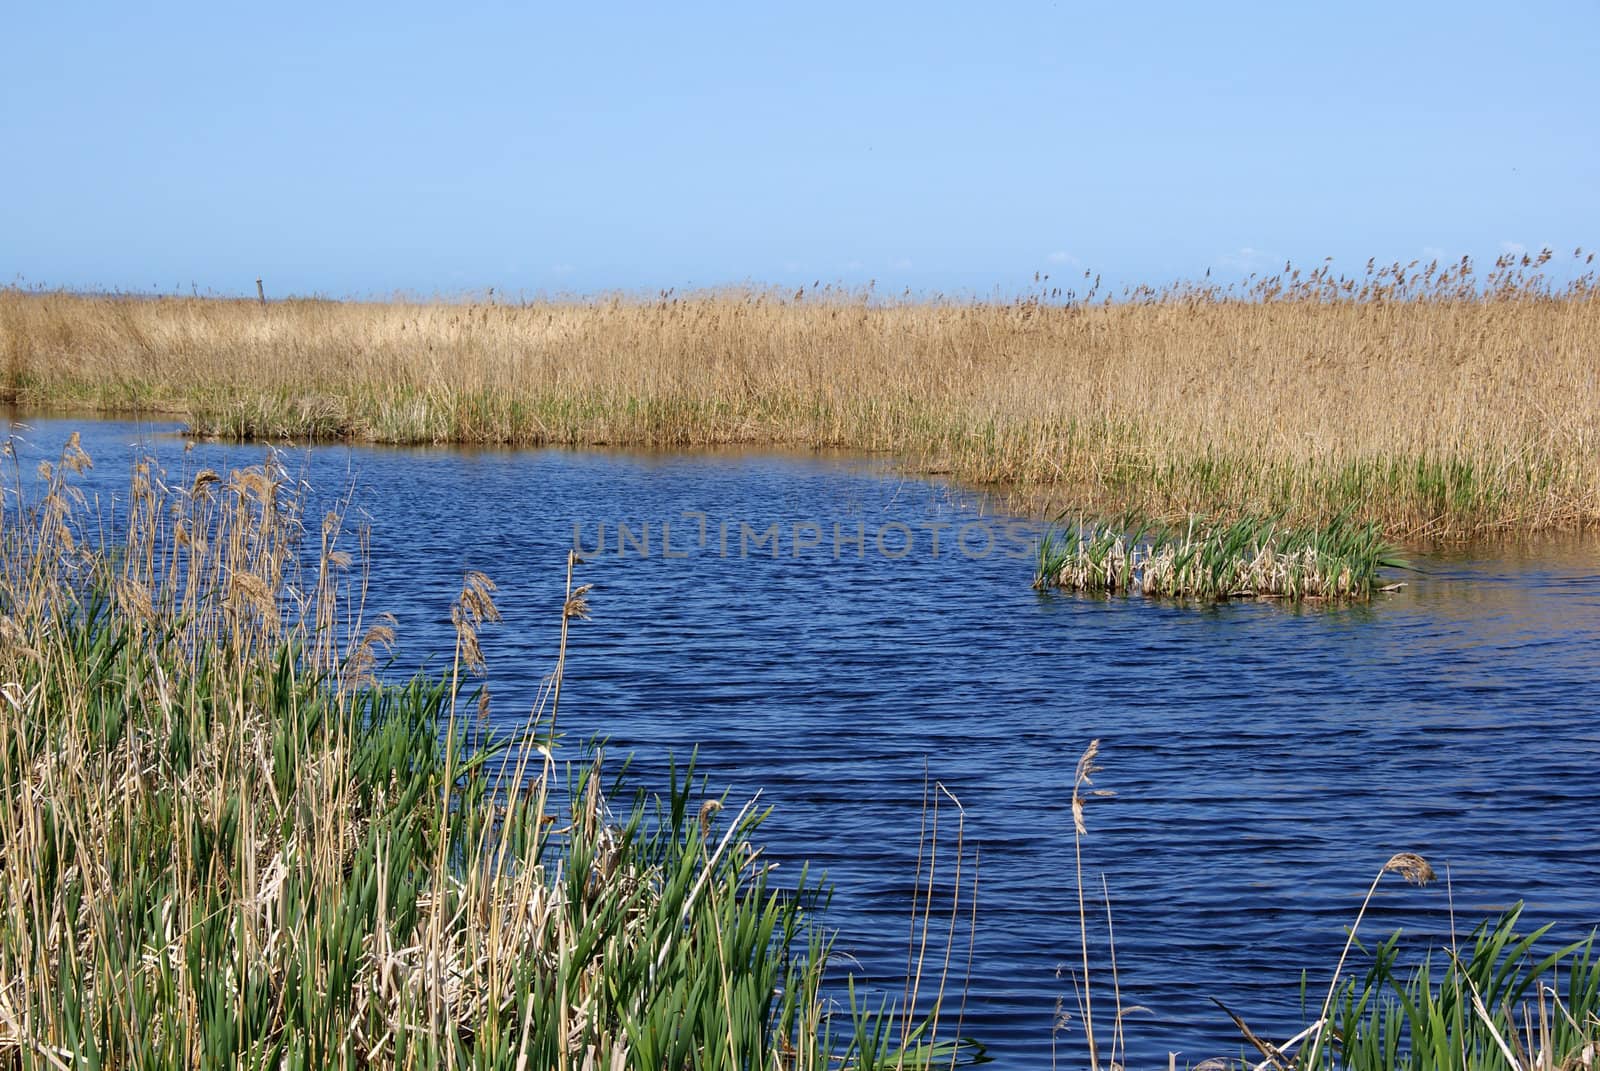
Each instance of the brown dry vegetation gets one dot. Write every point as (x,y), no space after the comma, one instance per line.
(1433,400)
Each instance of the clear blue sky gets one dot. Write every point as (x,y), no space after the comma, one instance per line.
(358,150)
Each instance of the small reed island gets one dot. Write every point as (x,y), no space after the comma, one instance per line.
(1249,558)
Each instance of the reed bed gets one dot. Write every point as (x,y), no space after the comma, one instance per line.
(226,842)
(1435,399)
(1252,557)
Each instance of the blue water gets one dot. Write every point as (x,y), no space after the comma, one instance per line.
(1266,760)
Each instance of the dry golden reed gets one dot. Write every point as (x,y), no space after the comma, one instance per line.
(1436,400)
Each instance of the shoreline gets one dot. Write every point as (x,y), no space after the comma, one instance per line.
(1024,503)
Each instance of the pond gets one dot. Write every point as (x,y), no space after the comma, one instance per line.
(799,629)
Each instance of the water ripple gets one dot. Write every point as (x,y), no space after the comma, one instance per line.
(1267,759)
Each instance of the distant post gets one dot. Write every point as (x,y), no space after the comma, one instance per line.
(260,293)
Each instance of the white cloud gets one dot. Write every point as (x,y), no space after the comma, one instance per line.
(1433,252)
(1246,258)
(1516,249)
(1061,256)
(562,269)
(900,263)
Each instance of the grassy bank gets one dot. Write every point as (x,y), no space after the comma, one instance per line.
(1436,401)
(224,843)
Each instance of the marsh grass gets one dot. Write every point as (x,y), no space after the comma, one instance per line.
(1506,1002)
(1435,399)
(1503,1002)
(226,842)
(1251,557)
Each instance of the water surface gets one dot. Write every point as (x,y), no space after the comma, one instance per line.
(1266,759)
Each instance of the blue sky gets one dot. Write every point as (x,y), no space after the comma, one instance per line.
(361,150)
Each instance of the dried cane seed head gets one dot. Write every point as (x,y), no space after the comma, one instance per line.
(577,604)
(1410,866)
